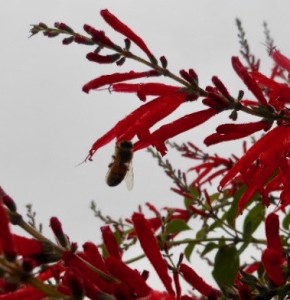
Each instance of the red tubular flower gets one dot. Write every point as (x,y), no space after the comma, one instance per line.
(6,237)
(133,280)
(156,295)
(248,80)
(272,233)
(229,132)
(197,282)
(99,36)
(93,256)
(75,283)
(116,77)
(56,227)
(145,89)
(158,137)
(119,26)
(281,60)
(26,246)
(275,136)
(111,242)
(220,86)
(26,292)
(272,263)
(279,93)
(140,120)
(150,247)
(102,59)
(76,262)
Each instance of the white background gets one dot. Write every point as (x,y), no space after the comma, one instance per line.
(47,124)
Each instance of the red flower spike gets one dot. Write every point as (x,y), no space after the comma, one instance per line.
(58,232)
(119,26)
(272,233)
(146,89)
(150,247)
(99,36)
(6,237)
(198,283)
(281,60)
(229,132)
(276,135)
(102,59)
(116,77)
(248,80)
(111,242)
(158,137)
(272,263)
(131,278)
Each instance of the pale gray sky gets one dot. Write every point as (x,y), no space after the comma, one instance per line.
(48,124)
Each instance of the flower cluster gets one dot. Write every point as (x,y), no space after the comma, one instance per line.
(35,268)
(31,265)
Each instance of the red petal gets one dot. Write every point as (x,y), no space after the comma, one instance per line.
(150,247)
(272,263)
(102,59)
(93,256)
(6,237)
(119,26)
(229,132)
(145,89)
(116,77)
(248,80)
(26,246)
(281,60)
(111,242)
(272,233)
(197,282)
(131,278)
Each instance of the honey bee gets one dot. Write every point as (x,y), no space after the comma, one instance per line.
(121,166)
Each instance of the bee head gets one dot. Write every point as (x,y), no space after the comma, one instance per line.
(126,144)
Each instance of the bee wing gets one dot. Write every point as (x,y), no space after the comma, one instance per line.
(129,178)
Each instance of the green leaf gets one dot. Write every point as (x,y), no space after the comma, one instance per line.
(201,234)
(252,221)
(176,226)
(231,214)
(226,265)
(286,222)
(209,247)
(194,193)
(188,250)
